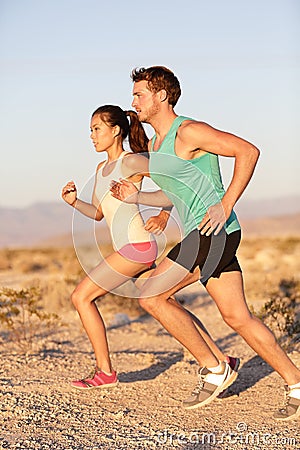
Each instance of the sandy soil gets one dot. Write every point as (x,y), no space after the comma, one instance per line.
(39,410)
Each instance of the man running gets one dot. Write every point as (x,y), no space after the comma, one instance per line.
(184,164)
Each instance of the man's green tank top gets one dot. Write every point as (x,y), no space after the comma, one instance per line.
(192,185)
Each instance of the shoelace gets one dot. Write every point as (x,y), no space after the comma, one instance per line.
(198,388)
(91,374)
(285,402)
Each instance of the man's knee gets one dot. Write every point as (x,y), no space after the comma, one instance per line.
(150,305)
(238,321)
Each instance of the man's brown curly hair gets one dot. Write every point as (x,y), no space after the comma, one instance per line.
(158,78)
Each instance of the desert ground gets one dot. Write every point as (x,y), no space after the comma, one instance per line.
(39,410)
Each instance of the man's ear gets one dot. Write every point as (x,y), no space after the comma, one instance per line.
(163,95)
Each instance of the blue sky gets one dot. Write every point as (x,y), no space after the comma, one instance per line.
(238,63)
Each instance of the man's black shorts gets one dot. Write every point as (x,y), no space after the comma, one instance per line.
(213,254)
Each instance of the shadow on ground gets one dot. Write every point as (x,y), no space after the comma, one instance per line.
(164,360)
(250,373)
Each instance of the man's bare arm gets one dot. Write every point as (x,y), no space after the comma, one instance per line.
(206,138)
(126,191)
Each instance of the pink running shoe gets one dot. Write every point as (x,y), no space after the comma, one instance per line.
(97,379)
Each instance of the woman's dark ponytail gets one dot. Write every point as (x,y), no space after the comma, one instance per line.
(138,139)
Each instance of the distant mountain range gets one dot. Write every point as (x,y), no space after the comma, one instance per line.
(51,223)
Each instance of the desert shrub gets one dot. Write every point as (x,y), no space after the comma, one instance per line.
(22,316)
(281,313)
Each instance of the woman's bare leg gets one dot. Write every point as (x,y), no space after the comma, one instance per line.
(109,274)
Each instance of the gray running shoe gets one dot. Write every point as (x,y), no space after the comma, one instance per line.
(209,386)
(291,407)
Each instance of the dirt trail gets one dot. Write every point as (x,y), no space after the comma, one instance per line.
(40,411)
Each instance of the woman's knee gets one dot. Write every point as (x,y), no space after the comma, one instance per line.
(80,298)
(76,298)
